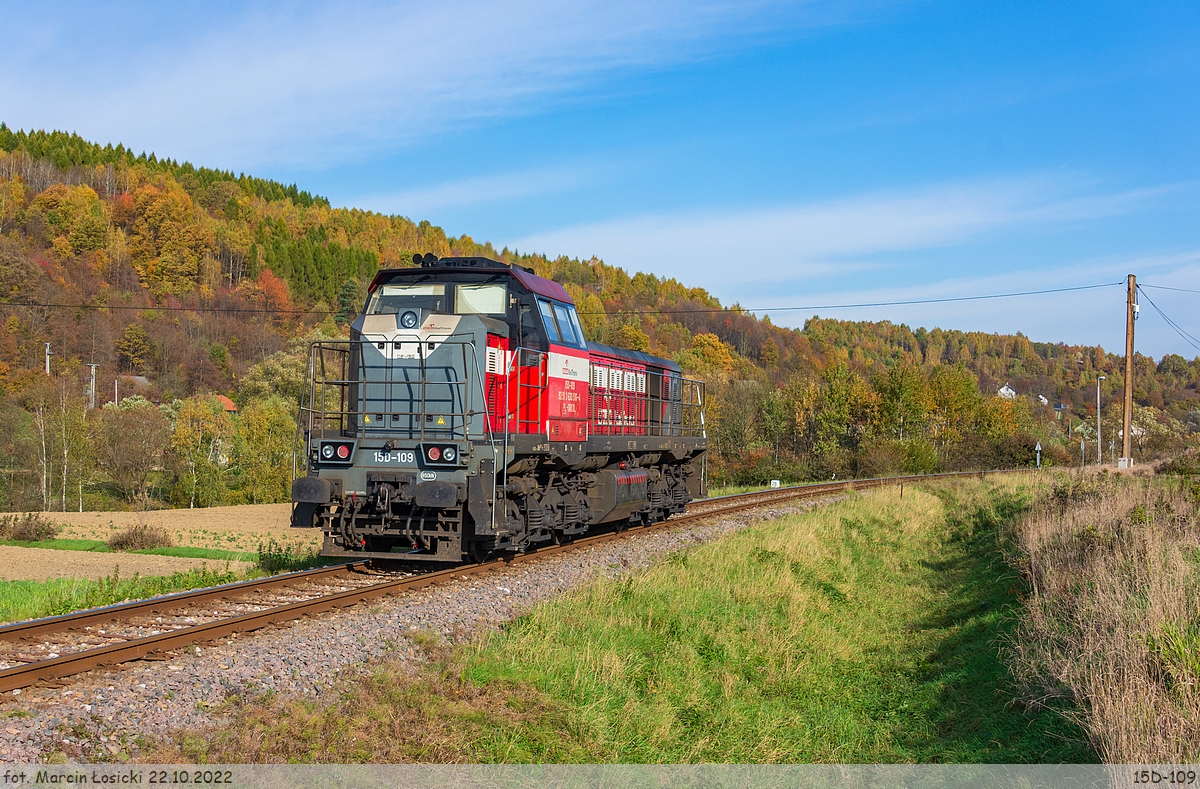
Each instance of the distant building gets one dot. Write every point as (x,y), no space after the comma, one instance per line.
(229,406)
(1042,399)
(1007,392)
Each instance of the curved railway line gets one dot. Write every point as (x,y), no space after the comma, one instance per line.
(49,649)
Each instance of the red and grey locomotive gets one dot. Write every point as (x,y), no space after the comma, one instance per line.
(467,415)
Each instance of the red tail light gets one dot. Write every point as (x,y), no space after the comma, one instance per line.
(447,455)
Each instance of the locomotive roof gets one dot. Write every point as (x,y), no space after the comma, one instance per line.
(539,285)
(634,356)
(429,264)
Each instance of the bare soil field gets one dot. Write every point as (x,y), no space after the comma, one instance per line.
(240,528)
(40,564)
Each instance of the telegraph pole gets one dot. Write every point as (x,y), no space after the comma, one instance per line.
(92,388)
(1131,310)
(1099,446)
(48,355)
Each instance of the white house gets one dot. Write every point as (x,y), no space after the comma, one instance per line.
(1007,392)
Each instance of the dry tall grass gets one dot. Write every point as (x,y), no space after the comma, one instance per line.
(141,538)
(1114,613)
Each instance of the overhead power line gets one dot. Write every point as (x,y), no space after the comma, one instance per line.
(846,306)
(905,302)
(161,309)
(1164,287)
(1188,338)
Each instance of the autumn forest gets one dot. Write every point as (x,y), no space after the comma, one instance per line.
(192,294)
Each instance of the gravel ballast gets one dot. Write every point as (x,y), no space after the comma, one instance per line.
(101,715)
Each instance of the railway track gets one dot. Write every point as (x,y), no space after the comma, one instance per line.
(49,649)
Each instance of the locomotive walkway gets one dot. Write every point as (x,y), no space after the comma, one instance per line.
(48,649)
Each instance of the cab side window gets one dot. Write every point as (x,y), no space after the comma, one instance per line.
(548,319)
(578,329)
(565,329)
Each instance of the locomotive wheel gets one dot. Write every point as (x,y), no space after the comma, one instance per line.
(477,553)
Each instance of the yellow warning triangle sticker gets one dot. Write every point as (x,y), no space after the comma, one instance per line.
(441,421)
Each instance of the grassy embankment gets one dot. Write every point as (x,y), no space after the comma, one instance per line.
(863,631)
(99,546)
(1113,618)
(34,599)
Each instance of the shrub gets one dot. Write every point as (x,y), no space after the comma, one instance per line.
(140,538)
(27,527)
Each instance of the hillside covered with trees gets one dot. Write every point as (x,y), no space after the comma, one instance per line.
(182,284)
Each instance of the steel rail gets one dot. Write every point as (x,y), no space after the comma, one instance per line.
(55,624)
(77,662)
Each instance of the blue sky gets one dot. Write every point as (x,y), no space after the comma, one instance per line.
(779,154)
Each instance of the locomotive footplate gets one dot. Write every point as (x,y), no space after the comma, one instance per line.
(679,447)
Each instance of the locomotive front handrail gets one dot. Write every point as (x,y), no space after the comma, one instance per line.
(339,370)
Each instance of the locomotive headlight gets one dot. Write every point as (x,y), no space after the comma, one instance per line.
(434,453)
(449,454)
(335,452)
(409,320)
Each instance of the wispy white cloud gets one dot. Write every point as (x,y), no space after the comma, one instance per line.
(1091,317)
(423,201)
(317,81)
(777,244)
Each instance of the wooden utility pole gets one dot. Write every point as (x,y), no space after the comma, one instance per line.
(1131,309)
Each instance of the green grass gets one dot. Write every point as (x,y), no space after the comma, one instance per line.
(35,599)
(730,490)
(64,544)
(99,546)
(865,631)
(187,552)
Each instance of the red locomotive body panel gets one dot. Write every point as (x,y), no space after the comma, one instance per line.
(566,394)
(499,359)
(618,396)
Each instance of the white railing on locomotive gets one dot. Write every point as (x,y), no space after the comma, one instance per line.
(516,360)
(693,411)
(318,369)
(447,412)
(352,388)
(512,421)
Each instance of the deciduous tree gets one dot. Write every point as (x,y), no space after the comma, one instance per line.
(133,437)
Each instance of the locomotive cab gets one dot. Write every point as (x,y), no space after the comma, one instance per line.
(468,415)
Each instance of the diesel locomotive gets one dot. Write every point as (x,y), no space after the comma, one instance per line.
(467,416)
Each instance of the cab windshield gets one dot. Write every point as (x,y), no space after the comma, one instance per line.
(390,299)
(489,298)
